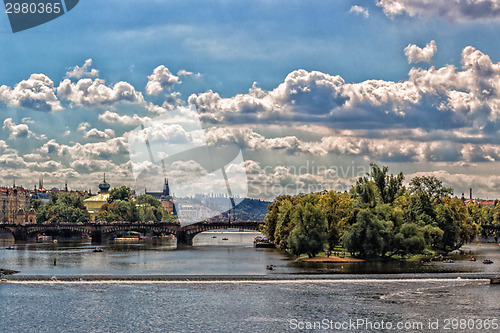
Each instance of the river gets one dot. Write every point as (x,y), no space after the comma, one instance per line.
(223,286)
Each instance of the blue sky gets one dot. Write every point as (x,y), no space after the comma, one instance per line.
(407,83)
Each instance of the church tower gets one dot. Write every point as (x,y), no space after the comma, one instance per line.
(166,189)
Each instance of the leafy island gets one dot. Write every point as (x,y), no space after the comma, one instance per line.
(379,218)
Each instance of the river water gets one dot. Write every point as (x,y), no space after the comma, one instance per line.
(223,286)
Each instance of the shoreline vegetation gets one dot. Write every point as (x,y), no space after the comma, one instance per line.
(332,260)
(378,219)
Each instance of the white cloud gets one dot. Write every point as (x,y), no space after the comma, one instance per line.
(451,10)
(115,118)
(36,93)
(444,97)
(78,72)
(162,80)
(94,132)
(95,94)
(359,10)
(27,120)
(16,131)
(416,54)
(270,181)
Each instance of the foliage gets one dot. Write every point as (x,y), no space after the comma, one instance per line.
(119,193)
(430,185)
(62,207)
(370,236)
(378,217)
(309,233)
(144,209)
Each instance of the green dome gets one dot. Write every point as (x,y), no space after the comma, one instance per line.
(104,186)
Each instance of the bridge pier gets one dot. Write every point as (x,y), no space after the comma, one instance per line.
(20,235)
(183,239)
(97,237)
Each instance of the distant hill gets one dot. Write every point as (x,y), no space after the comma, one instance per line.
(251,209)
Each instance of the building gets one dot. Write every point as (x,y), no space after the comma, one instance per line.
(93,204)
(15,205)
(165,198)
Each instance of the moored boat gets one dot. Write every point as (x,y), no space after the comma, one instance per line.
(487,261)
(263,242)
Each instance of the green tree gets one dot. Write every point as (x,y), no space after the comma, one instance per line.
(120,193)
(271,219)
(369,236)
(148,199)
(62,207)
(284,224)
(409,240)
(118,210)
(366,192)
(309,234)
(389,186)
(337,208)
(430,185)
(458,228)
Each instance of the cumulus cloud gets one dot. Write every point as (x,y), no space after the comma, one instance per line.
(451,10)
(115,118)
(94,132)
(162,80)
(184,72)
(36,93)
(95,94)
(416,54)
(446,97)
(358,10)
(393,145)
(111,148)
(270,181)
(16,131)
(78,72)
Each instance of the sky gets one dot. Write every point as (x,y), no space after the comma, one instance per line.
(311,92)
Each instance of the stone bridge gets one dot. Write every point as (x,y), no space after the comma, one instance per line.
(102,232)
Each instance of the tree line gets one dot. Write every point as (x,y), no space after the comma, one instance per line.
(120,206)
(378,217)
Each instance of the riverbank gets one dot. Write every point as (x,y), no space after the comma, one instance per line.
(332,260)
(131,279)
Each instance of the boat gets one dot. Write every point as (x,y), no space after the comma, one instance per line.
(269,267)
(224,238)
(449,261)
(487,261)
(214,236)
(263,242)
(98,249)
(4,271)
(472,259)
(44,238)
(129,236)
(9,248)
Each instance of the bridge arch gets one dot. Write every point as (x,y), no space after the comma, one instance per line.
(190,231)
(105,231)
(7,230)
(44,228)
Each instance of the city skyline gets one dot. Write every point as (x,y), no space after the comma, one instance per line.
(329,84)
